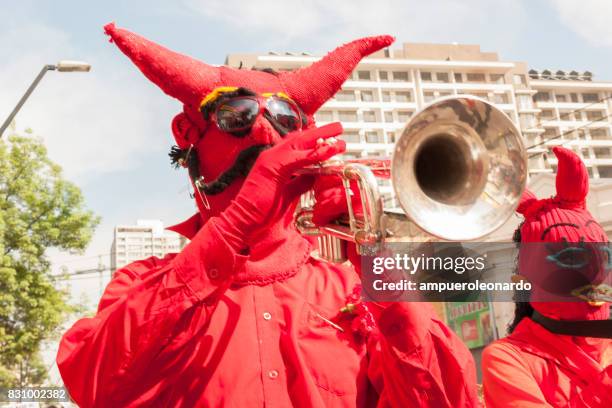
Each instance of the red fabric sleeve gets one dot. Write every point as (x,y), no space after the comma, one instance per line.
(139,314)
(598,394)
(507,381)
(419,356)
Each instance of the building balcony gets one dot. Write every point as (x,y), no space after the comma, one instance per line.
(572,106)
(533,130)
(466,87)
(524,91)
(570,85)
(598,142)
(600,161)
(373,85)
(334,104)
(529,110)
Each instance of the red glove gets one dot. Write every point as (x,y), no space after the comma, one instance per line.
(271,186)
(330,204)
(330,200)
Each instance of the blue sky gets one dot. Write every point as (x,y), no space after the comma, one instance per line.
(109,128)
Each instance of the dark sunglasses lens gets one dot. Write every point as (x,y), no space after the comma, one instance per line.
(237,114)
(284,113)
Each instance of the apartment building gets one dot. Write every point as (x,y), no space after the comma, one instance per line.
(387,88)
(144,239)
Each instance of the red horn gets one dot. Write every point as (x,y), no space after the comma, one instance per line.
(572,176)
(178,75)
(312,86)
(527,200)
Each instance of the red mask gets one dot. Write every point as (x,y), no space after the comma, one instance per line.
(190,81)
(563,217)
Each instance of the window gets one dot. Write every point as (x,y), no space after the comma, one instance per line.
(367,96)
(369,116)
(363,75)
(527,120)
(351,137)
(518,79)
(403,116)
(561,98)
(383,75)
(400,76)
(403,96)
(347,116)
(475,77)
(442,77)
(373,137)
(386,96)
(482,95)
(524,101)
(585,153)
(567,115)
(574,97)
(444,93)
(602,152)
(594,115)
(599,134)
(547,114)
(428,96)
(590,97)
(391,137)
(458,77)
(345,96)
(534,162)
(541,97)
(426,76)
(377,153)
(500,98)
(389,117)
(497,78)
(324,116)
(605,171)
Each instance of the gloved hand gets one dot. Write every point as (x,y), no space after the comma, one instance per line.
(271,186)
(330,204)
(330,200)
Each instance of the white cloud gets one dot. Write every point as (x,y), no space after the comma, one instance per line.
(591,19)
(340,20)
(92,123)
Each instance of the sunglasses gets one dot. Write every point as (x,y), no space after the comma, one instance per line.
(238,113)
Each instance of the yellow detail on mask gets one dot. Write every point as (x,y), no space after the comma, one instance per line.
(279,94)
(215,93)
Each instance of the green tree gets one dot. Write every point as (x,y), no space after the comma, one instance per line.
(38,210)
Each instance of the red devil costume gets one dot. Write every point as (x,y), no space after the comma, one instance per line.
(244,316)
(534,367)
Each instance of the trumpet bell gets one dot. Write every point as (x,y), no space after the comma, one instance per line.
(459,168)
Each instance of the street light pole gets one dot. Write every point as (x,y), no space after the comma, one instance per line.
(62,66)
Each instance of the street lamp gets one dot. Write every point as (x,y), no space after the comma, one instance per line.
(62,66)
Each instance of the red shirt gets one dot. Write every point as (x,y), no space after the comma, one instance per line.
(533,367)
(208,327)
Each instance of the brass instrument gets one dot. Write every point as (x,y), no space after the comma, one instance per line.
(458,171)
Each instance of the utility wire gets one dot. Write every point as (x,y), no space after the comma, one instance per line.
(561,116)
(82,258)
(565,133)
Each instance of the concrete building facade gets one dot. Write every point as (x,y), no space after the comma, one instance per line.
(144,239)
(387,88)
